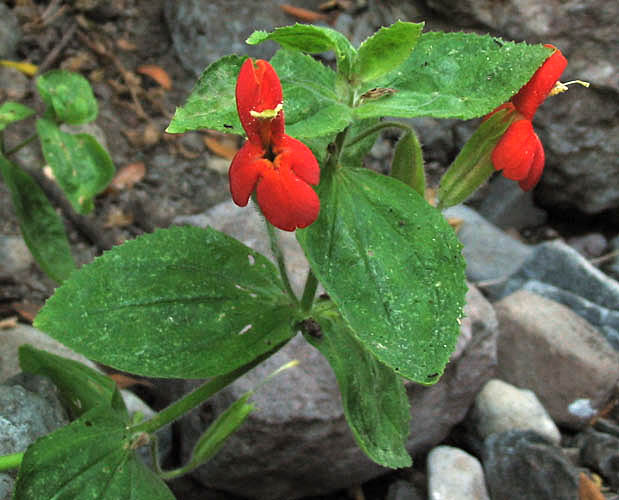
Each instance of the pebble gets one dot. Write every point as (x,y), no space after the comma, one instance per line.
(15,256)
(490,253)
(545,347)
(402,490)
(500,407)
(589,245)
(455,475)
(522,465)
(14,84)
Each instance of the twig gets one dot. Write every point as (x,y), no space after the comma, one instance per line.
(50,59)
(603,258)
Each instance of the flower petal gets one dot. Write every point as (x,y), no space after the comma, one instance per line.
(299,157)
(287,201)
(515,151)
(245,171)
(258,88)
(528,99)
(537,167)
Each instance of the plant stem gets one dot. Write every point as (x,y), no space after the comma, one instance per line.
(12,461)
(379,126)
(311,283)
(281,263)
(198,396)
(23,143)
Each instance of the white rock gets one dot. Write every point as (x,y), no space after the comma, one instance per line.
(455,475)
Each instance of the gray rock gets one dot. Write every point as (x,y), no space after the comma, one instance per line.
(545,347)
(600,451)
(297,443)
(589,245)
(454,474)
(10,32)
(403,490)
(613,265)
(14,84)
(508,206)
(522,464)
(501,407)
(605,320)
(14,255)
(200,37)
(559,265)
(490,253)
(26,416)
(6,487)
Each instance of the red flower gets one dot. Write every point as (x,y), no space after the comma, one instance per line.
(519,153)
(279,167)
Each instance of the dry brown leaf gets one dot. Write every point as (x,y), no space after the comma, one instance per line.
(128,176)
(27,310)
(6,323)
(307,15)
(220,147)
(455,222)
(78,62)
(124,44)
(117,218)
(151,135)
(124,381)
(157,73)
(588,490)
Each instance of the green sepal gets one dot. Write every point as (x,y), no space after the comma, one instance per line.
(182,302)
(407,163)
(69,96)
(11,112)
(40,225)
(373,395)
(473,165)
(80,165)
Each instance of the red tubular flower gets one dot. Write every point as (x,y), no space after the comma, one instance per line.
(519,153)
(279,167)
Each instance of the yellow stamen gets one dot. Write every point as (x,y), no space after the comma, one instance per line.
(561,87)
(267,114)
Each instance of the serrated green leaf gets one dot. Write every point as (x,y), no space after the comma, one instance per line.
(407,164)
(473,165)
(92,458)
(373,396)
(393,267)
(81,387)
(313,40)
(212,102)
(454,75)
(69,95)
(182,302)
(311,105)
(11,112)
(40,225)
(79,163)
(386,49)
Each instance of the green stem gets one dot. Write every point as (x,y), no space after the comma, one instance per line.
(12,461)
(23,143)
(376,128)
(309,292)
(281,263)
(197,396)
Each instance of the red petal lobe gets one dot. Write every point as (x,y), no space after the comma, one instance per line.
(300,158)
(537,167)
(515,150)
(245,171)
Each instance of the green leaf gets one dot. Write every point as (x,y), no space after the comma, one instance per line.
(11,112)
(311,104)
(393,267)
(183,302)
(473,165)
(313,40)
(352,156)
(373,396)
(407,163)
(81,387)
(91,458)
(79,163)
(69,95)
(40,225)
(454,75)
(386,49)
(212,102)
